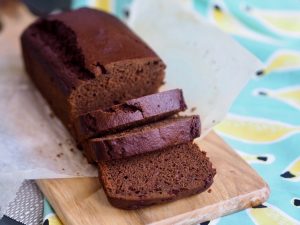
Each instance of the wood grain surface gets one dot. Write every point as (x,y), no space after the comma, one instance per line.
(236,187)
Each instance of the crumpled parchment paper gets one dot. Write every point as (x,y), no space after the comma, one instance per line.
(33,143)
(209,66)
(206,63)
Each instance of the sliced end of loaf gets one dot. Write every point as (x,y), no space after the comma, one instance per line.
(156,177)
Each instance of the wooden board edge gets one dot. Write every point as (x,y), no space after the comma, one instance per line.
(197,216)
(58,210)
(224,208)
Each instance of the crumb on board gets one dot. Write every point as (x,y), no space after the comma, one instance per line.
(69,141)
(209,191)
(59,155)
(63,168)
(193,109)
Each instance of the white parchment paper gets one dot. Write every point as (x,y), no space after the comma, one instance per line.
(209,66)
(206,63)
(33,143)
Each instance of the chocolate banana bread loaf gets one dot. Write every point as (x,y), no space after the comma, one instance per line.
(132,113)
(151,137)
(156,177)
(86,59)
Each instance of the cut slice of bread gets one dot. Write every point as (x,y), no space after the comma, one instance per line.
(132,113)
(151,137)
(156,177)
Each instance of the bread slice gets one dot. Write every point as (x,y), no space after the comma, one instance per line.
(87,59)
(156,177)
(151,137)
(132,113)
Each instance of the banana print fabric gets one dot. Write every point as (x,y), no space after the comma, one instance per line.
(263,125)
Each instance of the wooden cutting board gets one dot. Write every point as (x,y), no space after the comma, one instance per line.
(237,186)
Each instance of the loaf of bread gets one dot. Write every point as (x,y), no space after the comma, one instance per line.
(147,138)
(87,59)
(156,177)
(129,114)
(94,72)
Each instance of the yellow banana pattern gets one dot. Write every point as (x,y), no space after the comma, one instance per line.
(258,159)
(52,219)
(292,172)
(220,16)
(289,95)
(105,5)
(267,214)
(282,22)
(254,130)
(281,61)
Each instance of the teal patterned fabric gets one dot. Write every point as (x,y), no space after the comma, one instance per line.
(263,125)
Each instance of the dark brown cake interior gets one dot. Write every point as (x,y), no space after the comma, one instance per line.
(155,177)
